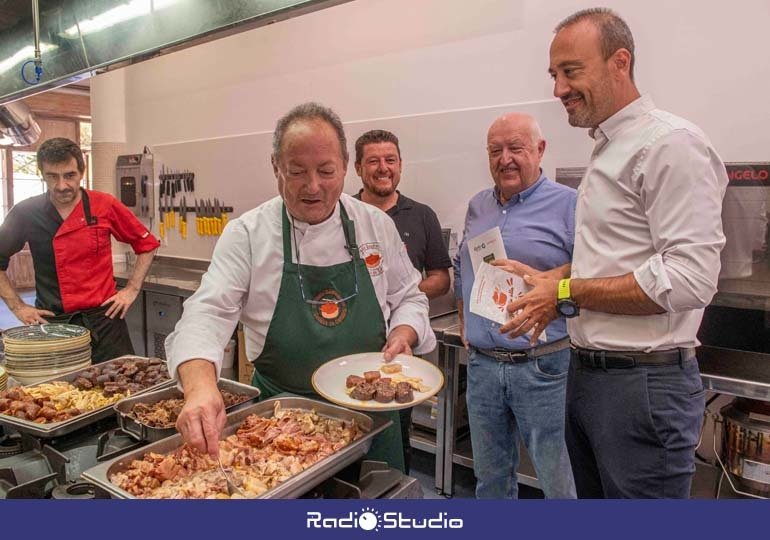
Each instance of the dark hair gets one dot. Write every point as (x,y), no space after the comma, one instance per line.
(375,136)
(59,150)
(309,111)
(613,31)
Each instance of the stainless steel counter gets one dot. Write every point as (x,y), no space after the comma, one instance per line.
(179,277)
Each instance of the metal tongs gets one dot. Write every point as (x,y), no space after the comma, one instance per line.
(232,489)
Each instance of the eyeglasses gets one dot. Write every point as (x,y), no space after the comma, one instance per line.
(301,281)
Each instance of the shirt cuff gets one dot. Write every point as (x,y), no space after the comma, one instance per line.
(653,280)
(426,339)
(178,354)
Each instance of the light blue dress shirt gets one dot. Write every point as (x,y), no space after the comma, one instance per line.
(538,229)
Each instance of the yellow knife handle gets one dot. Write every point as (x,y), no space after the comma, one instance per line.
(162,230)
(224,219)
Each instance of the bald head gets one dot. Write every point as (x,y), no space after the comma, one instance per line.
(515,147)
(519,122)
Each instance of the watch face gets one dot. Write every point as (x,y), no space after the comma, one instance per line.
(567,308)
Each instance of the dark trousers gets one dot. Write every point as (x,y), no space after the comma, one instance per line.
(109,337)
(632,433)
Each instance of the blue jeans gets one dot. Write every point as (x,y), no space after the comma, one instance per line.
(510,402)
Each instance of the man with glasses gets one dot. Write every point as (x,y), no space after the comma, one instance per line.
(313,274)
(516,388)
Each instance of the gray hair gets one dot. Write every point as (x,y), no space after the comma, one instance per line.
(613,31)
(309,111)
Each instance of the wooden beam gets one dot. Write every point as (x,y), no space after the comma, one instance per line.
(60,105)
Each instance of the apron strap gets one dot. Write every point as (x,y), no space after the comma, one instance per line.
(348,228)
(90,220)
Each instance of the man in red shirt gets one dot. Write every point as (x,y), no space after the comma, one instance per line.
(68,230)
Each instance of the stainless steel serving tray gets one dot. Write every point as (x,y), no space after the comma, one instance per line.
(57,429)
(143,432)
(293,487)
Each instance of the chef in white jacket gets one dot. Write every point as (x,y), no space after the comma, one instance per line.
(313,274)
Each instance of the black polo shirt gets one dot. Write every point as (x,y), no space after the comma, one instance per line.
(420,230)
(34,220)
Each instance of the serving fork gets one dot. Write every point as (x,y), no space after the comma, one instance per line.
(232,489)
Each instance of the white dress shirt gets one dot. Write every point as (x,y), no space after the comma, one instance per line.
(244,278)
(650,203)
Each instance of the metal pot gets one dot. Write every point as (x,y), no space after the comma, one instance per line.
(746,443)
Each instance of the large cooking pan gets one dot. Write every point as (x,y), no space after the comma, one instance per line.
(746,444)
(292,488)
(57,429)
(143,432)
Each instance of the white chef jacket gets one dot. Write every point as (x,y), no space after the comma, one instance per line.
(244,278)
(649,203)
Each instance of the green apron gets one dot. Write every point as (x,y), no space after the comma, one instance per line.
(303,336)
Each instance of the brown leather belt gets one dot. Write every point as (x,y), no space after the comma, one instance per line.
(525,355)
(629,359)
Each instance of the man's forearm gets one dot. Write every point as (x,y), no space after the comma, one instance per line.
(8,293)
(141,267)
(560,272)
(620,295)
(195,374)
(435,284)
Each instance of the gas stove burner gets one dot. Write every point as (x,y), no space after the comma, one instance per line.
(79,490)
(10,445)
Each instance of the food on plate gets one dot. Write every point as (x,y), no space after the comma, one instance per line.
(391,367)
(386,392)
(363,391)
(374,386)
(404,393)
(353,380)
(94,388)
(415,382)
(164,413)
(263,453)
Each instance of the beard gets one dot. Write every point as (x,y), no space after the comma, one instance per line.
(381,190)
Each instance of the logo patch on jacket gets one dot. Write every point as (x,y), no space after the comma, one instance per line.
(372,256)
(331,312)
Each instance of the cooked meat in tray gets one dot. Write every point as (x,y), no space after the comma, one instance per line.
(278,448)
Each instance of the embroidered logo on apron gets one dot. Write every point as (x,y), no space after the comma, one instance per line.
(372,256)
(329,313)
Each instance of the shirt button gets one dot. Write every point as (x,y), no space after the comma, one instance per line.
(505,211)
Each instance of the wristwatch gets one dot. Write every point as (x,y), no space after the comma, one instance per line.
(565,305)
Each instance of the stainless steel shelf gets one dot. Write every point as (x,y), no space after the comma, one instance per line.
(423,441)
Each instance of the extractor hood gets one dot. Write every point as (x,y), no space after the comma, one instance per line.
(17,124)
(79,38)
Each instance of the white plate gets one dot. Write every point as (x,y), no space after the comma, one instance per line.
(329,379)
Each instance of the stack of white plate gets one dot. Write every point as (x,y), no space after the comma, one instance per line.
(3,378)
(38,352)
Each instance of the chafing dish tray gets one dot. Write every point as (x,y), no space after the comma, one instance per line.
(143,432)
(295,486)
(58,429)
